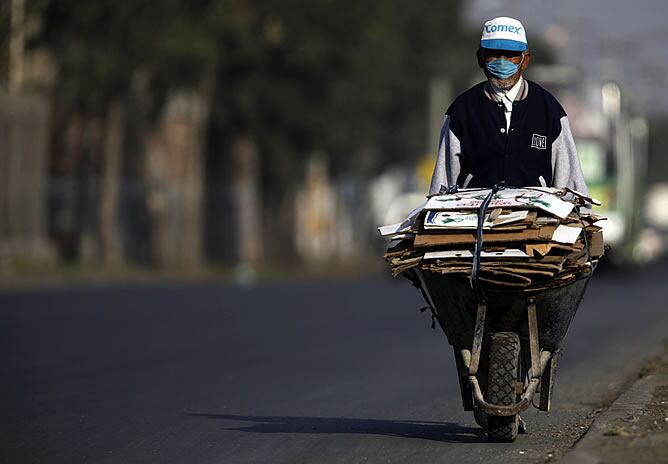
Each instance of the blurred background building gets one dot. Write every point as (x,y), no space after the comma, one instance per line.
(252,135)
(608,74)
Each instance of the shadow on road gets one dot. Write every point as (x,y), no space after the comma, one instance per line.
(436,431)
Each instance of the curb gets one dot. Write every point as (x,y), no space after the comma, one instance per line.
(633,429)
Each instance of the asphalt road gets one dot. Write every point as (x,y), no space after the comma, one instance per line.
(346,372)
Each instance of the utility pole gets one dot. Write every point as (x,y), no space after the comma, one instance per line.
(440,94)
(16,46)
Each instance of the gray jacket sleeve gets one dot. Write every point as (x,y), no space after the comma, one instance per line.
(566,169)
(448,162)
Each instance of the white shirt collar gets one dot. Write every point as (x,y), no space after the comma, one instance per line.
(514,90)
(509,95)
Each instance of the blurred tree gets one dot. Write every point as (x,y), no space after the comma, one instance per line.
(291,77)
(349,80)
(113,55)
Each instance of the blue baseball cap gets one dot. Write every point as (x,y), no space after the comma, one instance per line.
(504,33)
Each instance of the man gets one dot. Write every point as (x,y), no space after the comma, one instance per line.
(507,128)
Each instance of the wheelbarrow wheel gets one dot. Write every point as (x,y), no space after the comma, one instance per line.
(504,365)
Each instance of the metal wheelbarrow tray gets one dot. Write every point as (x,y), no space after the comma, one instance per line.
(505,347)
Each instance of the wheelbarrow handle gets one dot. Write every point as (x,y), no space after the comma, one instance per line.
(512,409)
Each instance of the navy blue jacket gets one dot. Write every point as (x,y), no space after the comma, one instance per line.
(477,150)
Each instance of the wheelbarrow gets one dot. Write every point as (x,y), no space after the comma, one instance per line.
(506,347)
(506,339)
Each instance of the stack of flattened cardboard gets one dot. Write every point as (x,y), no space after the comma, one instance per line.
(533,238)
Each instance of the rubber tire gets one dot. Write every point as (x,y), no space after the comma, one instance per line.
(504,366)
